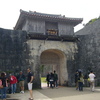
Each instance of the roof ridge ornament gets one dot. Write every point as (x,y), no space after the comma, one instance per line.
(21,10)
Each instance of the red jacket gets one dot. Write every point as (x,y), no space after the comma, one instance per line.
(13,80)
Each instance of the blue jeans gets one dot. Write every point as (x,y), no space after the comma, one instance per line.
(80,86)
(3,92)
(13,88)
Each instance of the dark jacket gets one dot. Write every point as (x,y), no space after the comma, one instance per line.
(21,77)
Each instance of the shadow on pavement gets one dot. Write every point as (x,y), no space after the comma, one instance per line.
(8,98)
(63,91)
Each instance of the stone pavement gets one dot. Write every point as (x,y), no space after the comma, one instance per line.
(62,93)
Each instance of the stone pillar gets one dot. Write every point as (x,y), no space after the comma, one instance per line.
(36,70)
(63,71)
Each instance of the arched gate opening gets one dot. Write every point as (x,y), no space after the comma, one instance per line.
(51,60)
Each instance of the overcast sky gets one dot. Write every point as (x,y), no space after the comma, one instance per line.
(86,9)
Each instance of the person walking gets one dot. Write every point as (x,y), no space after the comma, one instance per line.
(21,79)
(13,81)
(48,79)
(30,78)
(80,81)
(55,79)
(92,80)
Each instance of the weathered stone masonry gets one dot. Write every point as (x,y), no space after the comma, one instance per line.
(88,56)
(19,52)
(64,50)
(12,50)
(61,51)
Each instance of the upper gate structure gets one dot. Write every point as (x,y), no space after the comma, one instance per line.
(46,23)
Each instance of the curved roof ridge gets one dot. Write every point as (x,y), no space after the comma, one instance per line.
(49,15)
(45,14)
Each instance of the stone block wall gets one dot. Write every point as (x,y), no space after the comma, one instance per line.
(13,51)
(88,56)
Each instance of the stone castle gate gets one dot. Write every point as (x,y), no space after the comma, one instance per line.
(49,40)
(37,40)
(52,55)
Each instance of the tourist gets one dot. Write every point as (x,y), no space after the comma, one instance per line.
(13,81)
(21,79)
(80,81)
(30,82)
(92,80)
(55,79)
(3,85)
(76,79)
(51,80)
(48,79)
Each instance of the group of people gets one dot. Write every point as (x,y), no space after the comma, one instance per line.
(52,79)
(79,80)
(9,83)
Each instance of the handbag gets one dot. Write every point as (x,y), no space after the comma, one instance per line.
(51,80)
(88,79)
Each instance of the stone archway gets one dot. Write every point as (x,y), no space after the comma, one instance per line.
(53,59)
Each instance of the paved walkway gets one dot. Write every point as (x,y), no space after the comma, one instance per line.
(62,93)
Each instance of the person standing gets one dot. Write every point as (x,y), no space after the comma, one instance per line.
(48,79)
(51,80)
(55,79)
(21,79)
(92,80)
(4,84)
(13,81)
(30,78)
(80,81)
(76,79)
